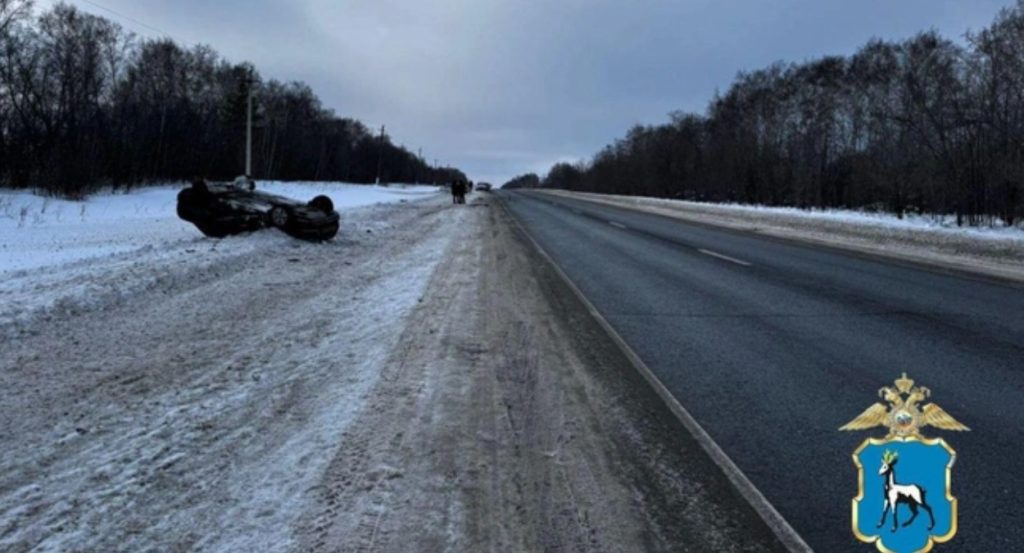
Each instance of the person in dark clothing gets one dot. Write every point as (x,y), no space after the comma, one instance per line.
(458,192)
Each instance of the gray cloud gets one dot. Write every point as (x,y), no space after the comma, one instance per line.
(499,87)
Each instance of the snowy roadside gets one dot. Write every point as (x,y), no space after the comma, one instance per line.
(506,420)
(39,231)
(59,257)
(995,252)
(198,410)
(424,382)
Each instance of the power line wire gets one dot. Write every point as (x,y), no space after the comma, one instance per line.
(123,16)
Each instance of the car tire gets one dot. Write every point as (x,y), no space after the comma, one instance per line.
(322,203)
(279,217)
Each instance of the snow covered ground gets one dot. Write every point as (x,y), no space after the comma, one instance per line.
(187,395)
(56,255)
(37,231)
(997,251)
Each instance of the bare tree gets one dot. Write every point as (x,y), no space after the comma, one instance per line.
(84,103)
(12,11)
(921,125)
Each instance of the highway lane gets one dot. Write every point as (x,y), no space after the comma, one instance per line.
(772,345)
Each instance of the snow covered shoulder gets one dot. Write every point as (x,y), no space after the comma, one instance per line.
(996,252)
(59,257)
(189,396)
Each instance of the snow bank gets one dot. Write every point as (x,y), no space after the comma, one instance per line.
(37,231)
(997,251)
(935,223)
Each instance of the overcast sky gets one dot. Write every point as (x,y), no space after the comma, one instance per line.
(502,87)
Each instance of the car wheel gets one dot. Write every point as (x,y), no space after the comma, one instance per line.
(322,203)
(279,217)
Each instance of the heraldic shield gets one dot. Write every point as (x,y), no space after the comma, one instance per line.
(904,501)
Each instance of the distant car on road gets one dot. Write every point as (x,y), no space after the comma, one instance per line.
(484,186)
(223,209)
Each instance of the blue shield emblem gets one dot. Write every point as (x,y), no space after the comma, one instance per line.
(904,503)
(904,500)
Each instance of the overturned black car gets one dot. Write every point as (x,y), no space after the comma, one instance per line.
(222,209)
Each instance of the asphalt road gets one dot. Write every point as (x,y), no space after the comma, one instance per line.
(773,345)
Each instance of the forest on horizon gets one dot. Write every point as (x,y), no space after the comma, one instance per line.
(85,104)
(923,125)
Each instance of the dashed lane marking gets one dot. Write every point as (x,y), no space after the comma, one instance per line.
(725,257)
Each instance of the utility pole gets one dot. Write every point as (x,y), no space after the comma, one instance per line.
(419,158)
(380,154)
(248,129)
(435,170)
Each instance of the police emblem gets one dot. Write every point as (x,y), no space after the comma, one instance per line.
(904,474)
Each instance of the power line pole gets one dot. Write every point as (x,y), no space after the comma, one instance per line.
(248,128)
(419,159)
(380,154)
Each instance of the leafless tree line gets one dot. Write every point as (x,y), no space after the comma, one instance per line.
(528,180)
(84,103)
(923,125)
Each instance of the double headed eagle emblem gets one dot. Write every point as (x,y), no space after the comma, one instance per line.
(902,416)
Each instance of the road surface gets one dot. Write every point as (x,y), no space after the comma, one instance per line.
(773,345)
(506,421)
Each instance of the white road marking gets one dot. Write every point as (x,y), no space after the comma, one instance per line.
(724,257)
(618,225)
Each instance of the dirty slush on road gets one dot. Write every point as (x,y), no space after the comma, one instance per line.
(428,386)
